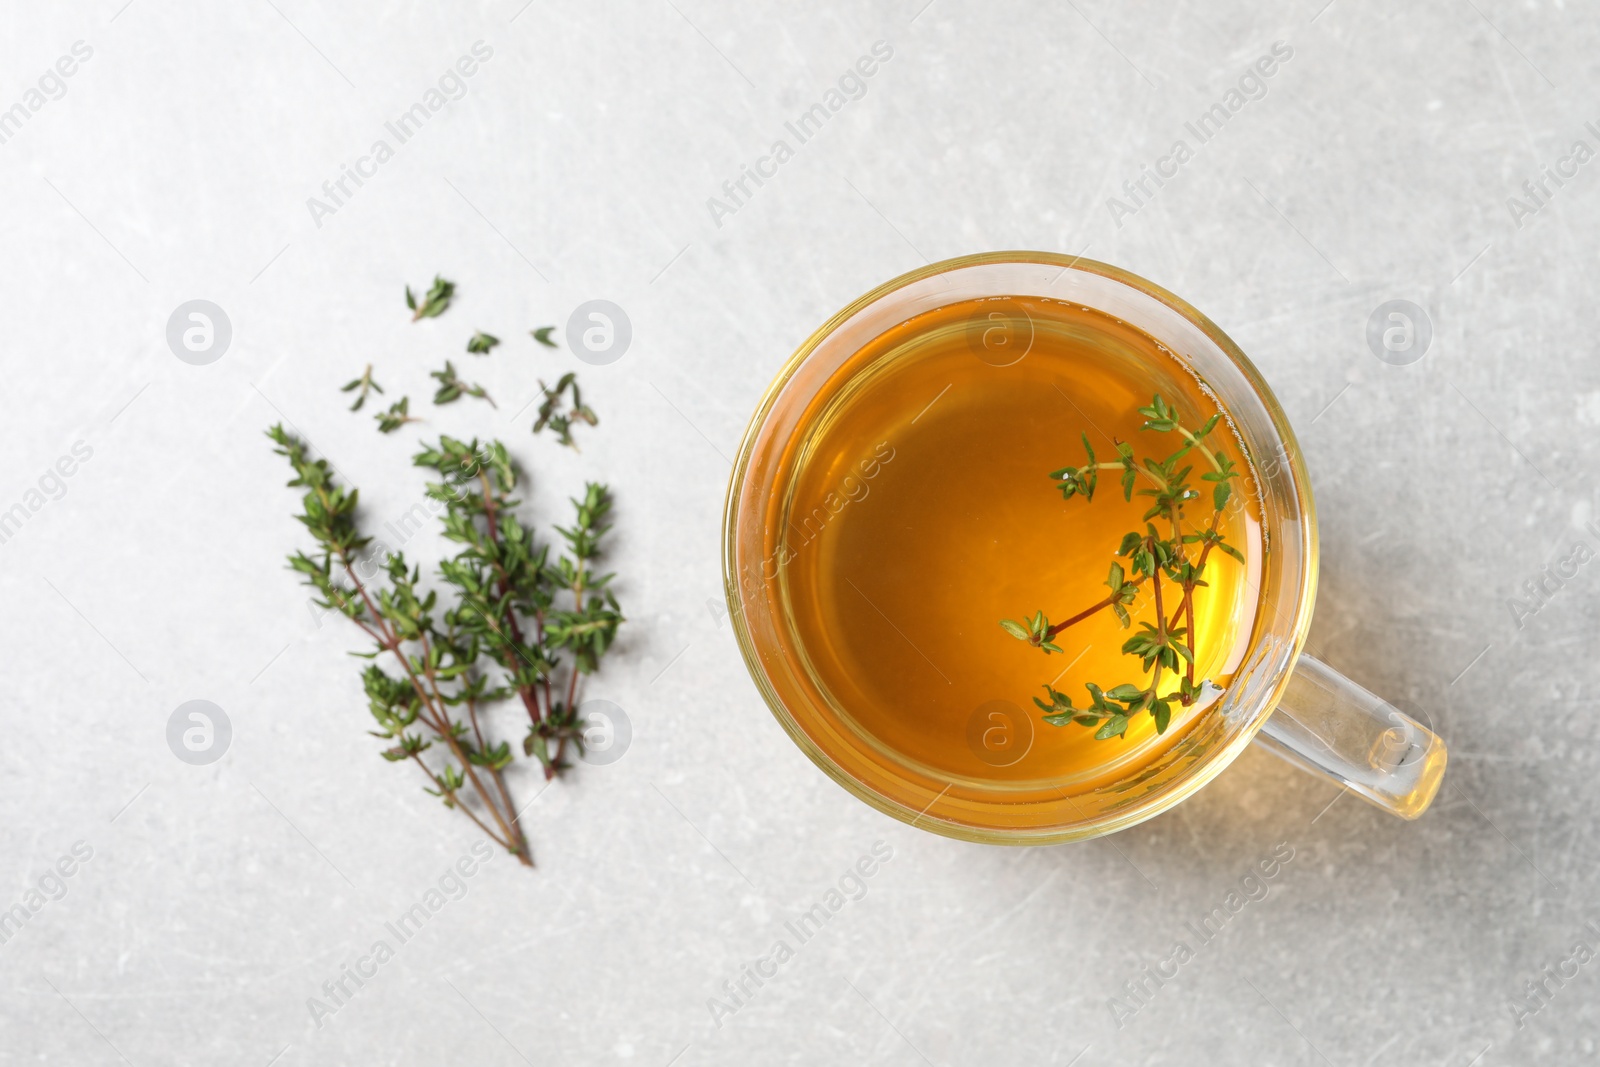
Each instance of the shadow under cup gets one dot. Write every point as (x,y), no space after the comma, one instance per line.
(988,811)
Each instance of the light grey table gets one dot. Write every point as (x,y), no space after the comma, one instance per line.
(579,162)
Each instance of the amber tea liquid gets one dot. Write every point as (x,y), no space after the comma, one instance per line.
(918,513)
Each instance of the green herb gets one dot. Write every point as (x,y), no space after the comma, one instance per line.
(434,303)
(365,384)
(562,423)
(507,623)
(396,417)
(542,335)
(452,388)
(1179,560)
(480,343)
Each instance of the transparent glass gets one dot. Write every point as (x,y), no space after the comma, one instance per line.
(1324,723)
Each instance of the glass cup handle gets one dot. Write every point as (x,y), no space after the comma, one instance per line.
(1330,726)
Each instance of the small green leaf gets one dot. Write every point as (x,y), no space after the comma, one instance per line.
(1116,726)
(1015,629)
(1091,477)
(1161,711)
(542,335)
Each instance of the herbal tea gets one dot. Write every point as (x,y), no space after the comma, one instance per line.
(998,567)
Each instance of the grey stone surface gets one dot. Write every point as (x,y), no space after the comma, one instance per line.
(219,897)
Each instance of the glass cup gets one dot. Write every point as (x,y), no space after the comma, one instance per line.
(1292,704)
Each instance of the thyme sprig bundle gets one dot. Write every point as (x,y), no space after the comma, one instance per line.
(514,620)
(1168,644)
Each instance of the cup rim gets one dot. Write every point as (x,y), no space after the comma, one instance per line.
(1211,765)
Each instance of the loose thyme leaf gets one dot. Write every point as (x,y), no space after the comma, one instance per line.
(396,417)
(480,343)
(365,383)
(434,303)
(452,388)
(542,335)
(561,422)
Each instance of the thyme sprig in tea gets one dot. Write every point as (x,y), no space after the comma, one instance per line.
(1174,556)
